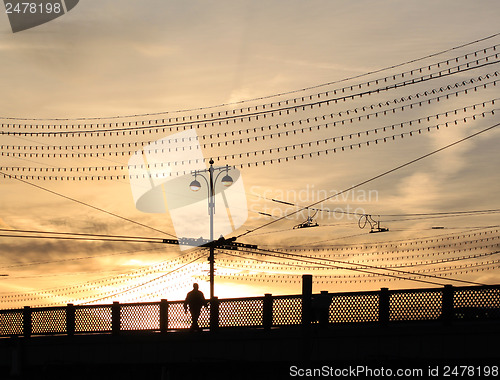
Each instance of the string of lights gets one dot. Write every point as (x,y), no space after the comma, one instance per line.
(294,279)
(397,259)
(94,148)
(271,161)
(405,63)
(217,119)
(120,279)
(373,178)
(358,266)
(390,243)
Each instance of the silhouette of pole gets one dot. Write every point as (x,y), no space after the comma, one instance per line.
(211,181)
(211,207)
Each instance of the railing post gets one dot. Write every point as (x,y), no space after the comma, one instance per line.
(163,315)
(267,311)
(383,306)
(115,318)
(70,319)
(323,308)
(27,326)
(447,305)
(306,299)
(214,314)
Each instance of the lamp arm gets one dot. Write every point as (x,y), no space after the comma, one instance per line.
(198,174)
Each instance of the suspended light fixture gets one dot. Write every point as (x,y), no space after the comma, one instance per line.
(195,185)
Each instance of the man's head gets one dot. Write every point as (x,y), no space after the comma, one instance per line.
(195,286)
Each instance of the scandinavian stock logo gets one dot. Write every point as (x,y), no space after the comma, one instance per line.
(160,177)
(28,14)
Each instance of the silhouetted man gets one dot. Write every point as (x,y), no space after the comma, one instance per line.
(196,300)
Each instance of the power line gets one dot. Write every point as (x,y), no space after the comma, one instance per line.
(82,238)
(86,147)
(369,266)
(86,204)
(373,178)
(282,93)
(375,245)
(107,281)
(144,283)
(78,234)
(78,258)
(256,114)
(340,267)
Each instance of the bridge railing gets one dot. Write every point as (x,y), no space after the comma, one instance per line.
(446,304)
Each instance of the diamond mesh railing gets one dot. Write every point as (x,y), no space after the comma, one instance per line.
(473,303)
(48,320)
(384,306)
(11,322)
(241,312)
(415,305)
(93,319)
(287,310)
(140,316)
(352,308)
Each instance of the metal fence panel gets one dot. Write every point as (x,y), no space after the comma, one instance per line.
(287,311)
(241,312)
(48,320)
(144,316)
(11,322)
(93,318)
(476,303)
(415,305)
(351,308)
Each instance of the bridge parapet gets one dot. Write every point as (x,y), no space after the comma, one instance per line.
(448,304)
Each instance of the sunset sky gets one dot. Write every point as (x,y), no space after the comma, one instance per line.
(127,64)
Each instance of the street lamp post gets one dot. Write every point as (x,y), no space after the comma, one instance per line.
(195,186)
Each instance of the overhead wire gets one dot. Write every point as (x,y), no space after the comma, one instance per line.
(287,92)
(147,174)
(89,148)
(140,126)
(266,252)
(142,284)
(6,175)
(375,177)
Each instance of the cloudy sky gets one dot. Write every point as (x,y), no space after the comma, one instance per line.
(129,61)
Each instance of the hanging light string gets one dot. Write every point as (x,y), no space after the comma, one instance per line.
(120,279)
(298,257)
(374,178)
(296,278)
(364,268)
(376,256)
(373,254)
(143,283)
(271,161)
(475,231)
(393,262)
(92,150)
(484,50)
(80,258)
(105,283)
(214,119)
(85,204)
(465,109)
